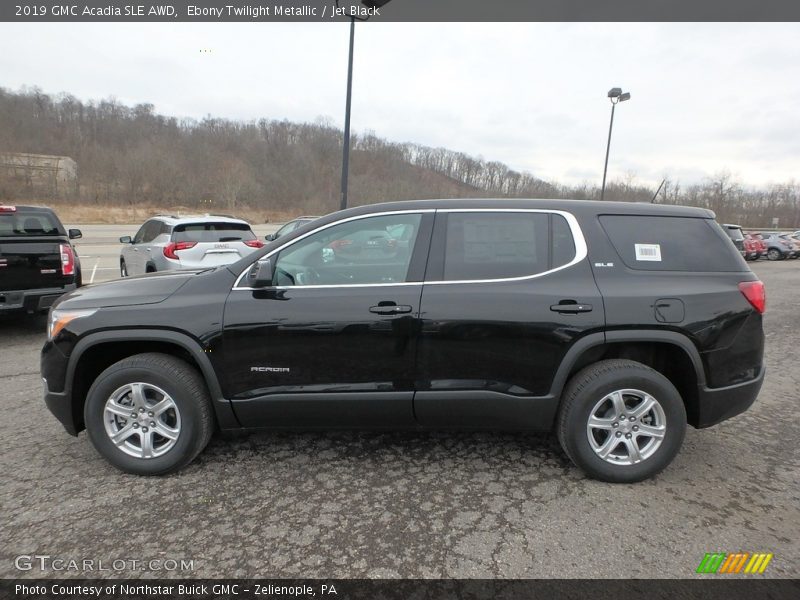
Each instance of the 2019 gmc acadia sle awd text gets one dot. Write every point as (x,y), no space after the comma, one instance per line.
(598,321)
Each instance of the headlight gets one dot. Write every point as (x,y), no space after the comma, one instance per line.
(59,318)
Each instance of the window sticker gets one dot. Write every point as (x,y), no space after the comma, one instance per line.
(651,252)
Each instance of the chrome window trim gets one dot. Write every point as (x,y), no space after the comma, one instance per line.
(236,285)
(581,250)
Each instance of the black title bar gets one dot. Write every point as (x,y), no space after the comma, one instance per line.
(398,10)
(705,588)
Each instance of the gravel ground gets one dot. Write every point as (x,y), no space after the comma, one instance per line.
(356,504)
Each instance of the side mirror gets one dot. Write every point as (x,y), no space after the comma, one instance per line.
(74,234)
(125,239)
(270,237)
(260,274)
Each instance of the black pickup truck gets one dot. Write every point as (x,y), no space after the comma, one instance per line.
(37,260)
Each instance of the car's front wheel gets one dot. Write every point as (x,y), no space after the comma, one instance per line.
(123,269)
(149,414)
(774,254)
(621,421)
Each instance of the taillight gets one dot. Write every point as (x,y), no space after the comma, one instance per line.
(254,243)
(755,293)
(173,247)
(67,259)
(8,209)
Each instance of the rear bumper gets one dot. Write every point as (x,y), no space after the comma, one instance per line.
(719,404)
(32,300)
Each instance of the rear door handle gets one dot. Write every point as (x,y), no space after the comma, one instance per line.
(392,309)
(571,308)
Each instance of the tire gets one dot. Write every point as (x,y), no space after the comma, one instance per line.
(596,386)
(123,269)
(774,254)
(189,418)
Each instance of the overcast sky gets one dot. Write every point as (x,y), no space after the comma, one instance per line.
(705,97)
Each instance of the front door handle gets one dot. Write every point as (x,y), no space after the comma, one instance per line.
(571,308)
(390,309)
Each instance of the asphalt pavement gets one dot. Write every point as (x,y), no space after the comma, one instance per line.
(399,504)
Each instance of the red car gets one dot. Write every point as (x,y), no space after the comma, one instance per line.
(754,247)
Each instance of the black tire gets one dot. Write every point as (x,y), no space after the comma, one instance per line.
(123,269)
(587,388)
(774,254)
(186,388)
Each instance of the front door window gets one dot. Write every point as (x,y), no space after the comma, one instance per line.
(373,250)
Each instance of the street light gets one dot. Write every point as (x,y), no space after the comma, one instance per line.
(346,149)
(616,96)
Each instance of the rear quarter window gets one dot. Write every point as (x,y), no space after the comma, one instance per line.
(654,243)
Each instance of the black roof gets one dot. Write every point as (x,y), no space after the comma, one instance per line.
(574,206)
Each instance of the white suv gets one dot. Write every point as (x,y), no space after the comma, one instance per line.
(166,243)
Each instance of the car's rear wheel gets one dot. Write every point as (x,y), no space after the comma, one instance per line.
(621,421)
(774,254)
(149,414)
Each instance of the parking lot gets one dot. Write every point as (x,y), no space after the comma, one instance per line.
(99,248)
(400,504)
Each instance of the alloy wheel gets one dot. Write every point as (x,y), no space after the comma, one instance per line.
(142,420)
(626,427)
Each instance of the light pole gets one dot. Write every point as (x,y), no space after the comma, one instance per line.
(348,102)
(616,96)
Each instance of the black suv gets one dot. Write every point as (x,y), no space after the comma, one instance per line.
(596,320)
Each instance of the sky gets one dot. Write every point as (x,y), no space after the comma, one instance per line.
(705,97)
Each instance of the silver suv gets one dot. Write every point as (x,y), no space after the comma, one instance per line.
(166,243)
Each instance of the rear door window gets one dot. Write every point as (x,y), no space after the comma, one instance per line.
(654,243)
(212,232)
(505,245)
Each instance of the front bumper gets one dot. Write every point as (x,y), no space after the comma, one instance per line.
(718,404)
(57,395)
(61,407)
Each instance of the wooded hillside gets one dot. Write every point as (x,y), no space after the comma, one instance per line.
(132,155)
